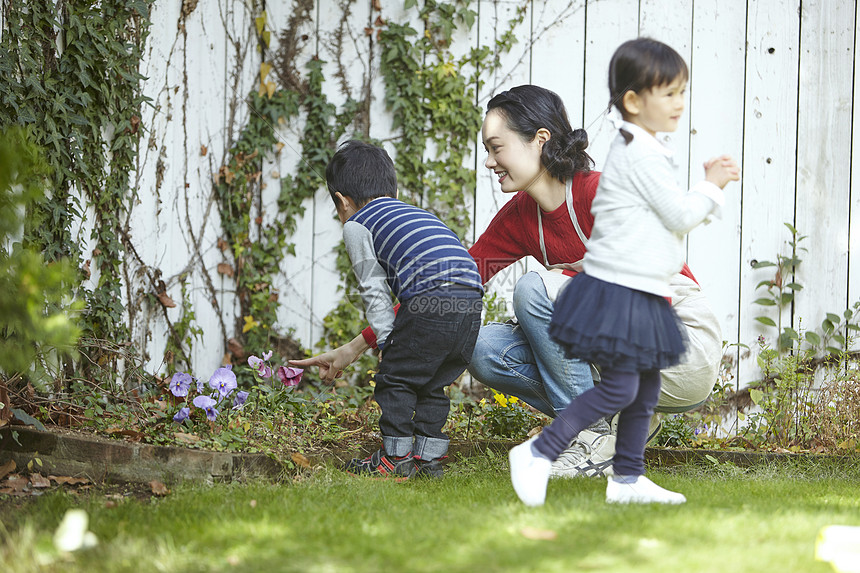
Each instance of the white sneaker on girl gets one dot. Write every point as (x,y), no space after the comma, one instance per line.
(529,473)
(643,490)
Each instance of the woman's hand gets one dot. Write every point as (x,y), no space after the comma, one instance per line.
(333,362)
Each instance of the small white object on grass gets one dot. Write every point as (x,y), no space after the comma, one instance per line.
(840,546)
(72,533)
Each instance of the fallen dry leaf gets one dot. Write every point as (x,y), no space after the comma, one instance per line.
(300,460)
(539,534)
(165,299)
(68,480)
(17,483)
(133,434)
(236,349)
(226,269)
(158,488)
(203,150)
(7,468)
(186,438)
(38,480)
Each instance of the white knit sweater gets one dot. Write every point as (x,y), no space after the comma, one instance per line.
(641,215)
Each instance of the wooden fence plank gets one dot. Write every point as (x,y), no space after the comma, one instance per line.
(824,158)
(770,131)
(494,18)
(854,223)
(608,25)
(716,127)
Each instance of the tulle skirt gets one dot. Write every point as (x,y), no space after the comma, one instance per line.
(617,327)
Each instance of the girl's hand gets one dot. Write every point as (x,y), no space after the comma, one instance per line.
(720,170)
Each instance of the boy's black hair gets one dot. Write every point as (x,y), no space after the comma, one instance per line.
(640,65)
(362,172)
(527,109)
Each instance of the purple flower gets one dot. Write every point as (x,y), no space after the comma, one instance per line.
(182,415)
(180,383)
(255,362)
(201,386)
(223,380)
(290,376)
(239,399)
(267,355)
(208,404)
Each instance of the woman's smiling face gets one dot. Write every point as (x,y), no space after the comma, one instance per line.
(515,162)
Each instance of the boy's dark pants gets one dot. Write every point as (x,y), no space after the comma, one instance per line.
(429,347)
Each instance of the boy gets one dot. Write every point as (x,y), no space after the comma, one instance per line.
(400,249)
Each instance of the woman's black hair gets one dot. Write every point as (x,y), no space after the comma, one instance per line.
(640,65)
(529,108)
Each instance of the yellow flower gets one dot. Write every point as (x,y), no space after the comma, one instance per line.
(250,324)
(513,399)
(501,399)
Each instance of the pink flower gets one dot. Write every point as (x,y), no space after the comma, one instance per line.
(261,365)
(290,376)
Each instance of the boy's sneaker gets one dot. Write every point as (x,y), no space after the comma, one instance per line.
(429,469)
(643,490)
(590,455)
(529,473)
(379,464)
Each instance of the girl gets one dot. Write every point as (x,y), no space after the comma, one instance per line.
(615,313)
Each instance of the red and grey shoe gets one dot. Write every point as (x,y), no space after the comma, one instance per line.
(381,465)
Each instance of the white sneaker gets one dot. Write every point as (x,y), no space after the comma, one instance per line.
(529,473)
(643,490)
(590,455)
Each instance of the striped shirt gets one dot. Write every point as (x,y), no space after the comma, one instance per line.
(396,246)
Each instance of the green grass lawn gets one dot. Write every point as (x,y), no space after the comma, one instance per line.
(763,520)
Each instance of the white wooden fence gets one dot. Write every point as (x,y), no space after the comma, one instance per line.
(773,83)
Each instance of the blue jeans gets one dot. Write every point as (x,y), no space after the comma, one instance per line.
(522,360)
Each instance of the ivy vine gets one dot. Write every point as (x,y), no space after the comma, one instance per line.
(71,76)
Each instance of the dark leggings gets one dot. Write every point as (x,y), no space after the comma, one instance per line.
(634,394)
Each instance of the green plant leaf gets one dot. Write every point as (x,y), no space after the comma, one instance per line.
(812,338)
(786,298)
(764,302)
(765,320)
(756,396)
(834,318)
(762,264)
(794,286)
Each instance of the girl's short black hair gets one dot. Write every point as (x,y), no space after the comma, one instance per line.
(527,109)
(640,65)
(361,171)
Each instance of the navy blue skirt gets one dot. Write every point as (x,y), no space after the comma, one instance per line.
(617,327)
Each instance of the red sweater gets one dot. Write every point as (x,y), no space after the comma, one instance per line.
(513,234)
